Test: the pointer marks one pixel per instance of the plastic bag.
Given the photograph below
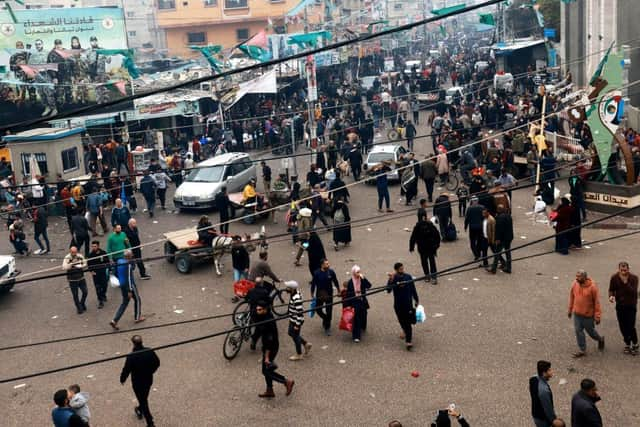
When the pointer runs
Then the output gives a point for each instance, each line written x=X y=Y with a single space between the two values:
x=312 y=308
x=346 y=321
x=113 y=281
x=420 y=315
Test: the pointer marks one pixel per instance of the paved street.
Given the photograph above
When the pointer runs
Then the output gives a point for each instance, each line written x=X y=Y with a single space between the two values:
x=478 y=347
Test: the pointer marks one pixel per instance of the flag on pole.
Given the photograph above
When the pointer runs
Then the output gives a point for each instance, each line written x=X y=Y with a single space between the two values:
x=447 y=10
x=443 y=31
x=487 y=18
x=259 y=40
x=269 y=24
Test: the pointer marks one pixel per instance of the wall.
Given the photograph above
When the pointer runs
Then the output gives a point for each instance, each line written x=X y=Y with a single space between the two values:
x=223 y=34
x=53 y=150
x=629 y=33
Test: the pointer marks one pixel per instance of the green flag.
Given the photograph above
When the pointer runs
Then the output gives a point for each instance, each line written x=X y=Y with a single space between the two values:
x=450 y=9
x=487 y=18
x=443 y=30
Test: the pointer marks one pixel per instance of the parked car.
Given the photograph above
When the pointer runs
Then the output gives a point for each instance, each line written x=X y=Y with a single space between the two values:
x=390 y=152
x=199 y=189
x=453 y=93
x=8 y=273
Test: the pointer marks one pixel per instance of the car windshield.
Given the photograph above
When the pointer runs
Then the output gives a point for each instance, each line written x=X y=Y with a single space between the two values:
x=206 y=174
x=379 y=157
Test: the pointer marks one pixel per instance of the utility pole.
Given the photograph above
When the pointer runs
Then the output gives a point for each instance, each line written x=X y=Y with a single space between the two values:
x=424 y=36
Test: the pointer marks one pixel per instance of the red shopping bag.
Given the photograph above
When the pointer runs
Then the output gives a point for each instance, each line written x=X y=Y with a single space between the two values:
x=346 y=321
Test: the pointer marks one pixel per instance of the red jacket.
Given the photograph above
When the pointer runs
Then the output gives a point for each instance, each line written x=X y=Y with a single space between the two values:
x=584 y=300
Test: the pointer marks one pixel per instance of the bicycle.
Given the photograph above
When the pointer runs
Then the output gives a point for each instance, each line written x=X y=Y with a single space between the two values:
x=278 y=305
x=241 y=333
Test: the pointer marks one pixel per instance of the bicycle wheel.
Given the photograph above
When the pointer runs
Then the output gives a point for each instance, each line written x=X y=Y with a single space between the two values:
x=232 y=344
x=452 y=182
x=241 y=312
x=278 y=305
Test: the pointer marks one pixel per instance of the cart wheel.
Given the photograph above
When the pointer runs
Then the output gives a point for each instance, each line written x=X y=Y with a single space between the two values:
x=184 y=262
x=232 y=344
x=169 y=252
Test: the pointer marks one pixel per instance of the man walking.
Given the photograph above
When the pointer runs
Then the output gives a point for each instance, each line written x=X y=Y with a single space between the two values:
x=429 y=171
x=296 y=319
x=148 y=189
x=322 y=290
x=488 y=236
x=268 y=331
x=623 y=291
x=74 y=264
x=584 y=412
x=223 y=204
x=584 y=305
x=442 y=210
x=404 y=294
x=427 y=237
x=133 y=235
x=473 y=220
x=80 y=231
x=117 y=243
x=141 y=364
x=62 y=415
x=98 y=266
x=266 y=177
x=502 y=241
x=541 y=397
x=128 y=288
x=40 y=224
x=162 y=181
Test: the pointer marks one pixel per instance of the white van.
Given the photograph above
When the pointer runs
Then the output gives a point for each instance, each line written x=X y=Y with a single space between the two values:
x=203 y=183
x=386 y=152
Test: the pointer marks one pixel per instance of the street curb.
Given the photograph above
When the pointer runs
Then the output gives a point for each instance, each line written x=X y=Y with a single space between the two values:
x=616 y=226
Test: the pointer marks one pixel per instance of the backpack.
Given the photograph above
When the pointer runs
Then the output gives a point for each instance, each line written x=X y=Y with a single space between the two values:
x=338 y=217
x=450 y=233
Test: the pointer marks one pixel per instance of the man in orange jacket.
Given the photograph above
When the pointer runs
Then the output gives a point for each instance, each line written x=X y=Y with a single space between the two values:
x=584 y=305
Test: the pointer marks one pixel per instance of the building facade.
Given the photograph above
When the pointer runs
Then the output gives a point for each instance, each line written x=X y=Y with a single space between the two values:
x=217 y=22
x=589 y=27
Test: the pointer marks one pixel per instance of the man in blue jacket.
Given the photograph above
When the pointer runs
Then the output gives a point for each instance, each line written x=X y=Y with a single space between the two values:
x=128 y=288
x=584 y=412
x=542 y=410
x=404 y=294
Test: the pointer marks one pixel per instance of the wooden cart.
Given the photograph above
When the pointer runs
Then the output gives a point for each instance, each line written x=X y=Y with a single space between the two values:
x=183 y=248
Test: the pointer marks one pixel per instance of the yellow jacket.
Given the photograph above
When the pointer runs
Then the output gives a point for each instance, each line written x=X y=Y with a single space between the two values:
x=248 y=192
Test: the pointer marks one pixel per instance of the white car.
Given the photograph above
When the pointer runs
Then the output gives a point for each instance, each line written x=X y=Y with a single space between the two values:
x=390 y=152
x=8 y=273
x=202 y=184
x=453 y=92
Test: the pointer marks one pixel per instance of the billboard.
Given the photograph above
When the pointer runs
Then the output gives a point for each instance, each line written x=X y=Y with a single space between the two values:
x=58 y=59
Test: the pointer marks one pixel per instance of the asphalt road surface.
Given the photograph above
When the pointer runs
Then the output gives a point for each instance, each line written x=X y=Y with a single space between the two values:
x=477 y=349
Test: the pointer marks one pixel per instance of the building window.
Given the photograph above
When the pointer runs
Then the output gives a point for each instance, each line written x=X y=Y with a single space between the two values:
x=166 y=4
x=70 y=160
x=236 y=4
x=41 y=158
x=196 y=38
x=210 y=3
x=398 y=6
x=131 y=33
x=242 y=33
x=130 y=14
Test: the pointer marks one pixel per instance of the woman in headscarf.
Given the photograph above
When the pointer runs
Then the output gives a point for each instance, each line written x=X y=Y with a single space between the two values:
x=206 y=233
x=342 y=223
x=356 y=297
x=315 y=252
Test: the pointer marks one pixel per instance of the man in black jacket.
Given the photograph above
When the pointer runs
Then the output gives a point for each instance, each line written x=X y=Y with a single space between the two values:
x=133 y=234
x=442 y=210
x=223 y=204
x=98 y=266
x=404 y=294
x=473 y=221
x=427 y=237
x=268 y=331
x=503 y=239
x=142 y=363
x=584 y=412
x=80 y=231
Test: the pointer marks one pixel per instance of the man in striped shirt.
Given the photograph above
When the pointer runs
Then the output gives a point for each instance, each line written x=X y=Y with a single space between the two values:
x=296 y=319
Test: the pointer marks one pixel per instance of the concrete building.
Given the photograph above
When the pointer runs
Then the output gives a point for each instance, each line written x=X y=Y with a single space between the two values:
x=588 y=28
x=140 y=18
x=217 y=22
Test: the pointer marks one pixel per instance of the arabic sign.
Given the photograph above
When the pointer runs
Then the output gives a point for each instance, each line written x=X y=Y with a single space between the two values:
x=166 y=109
x=106 y=24
x=54 y=60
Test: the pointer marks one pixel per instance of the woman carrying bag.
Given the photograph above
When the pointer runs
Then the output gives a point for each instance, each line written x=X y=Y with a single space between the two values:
x=356 y=297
